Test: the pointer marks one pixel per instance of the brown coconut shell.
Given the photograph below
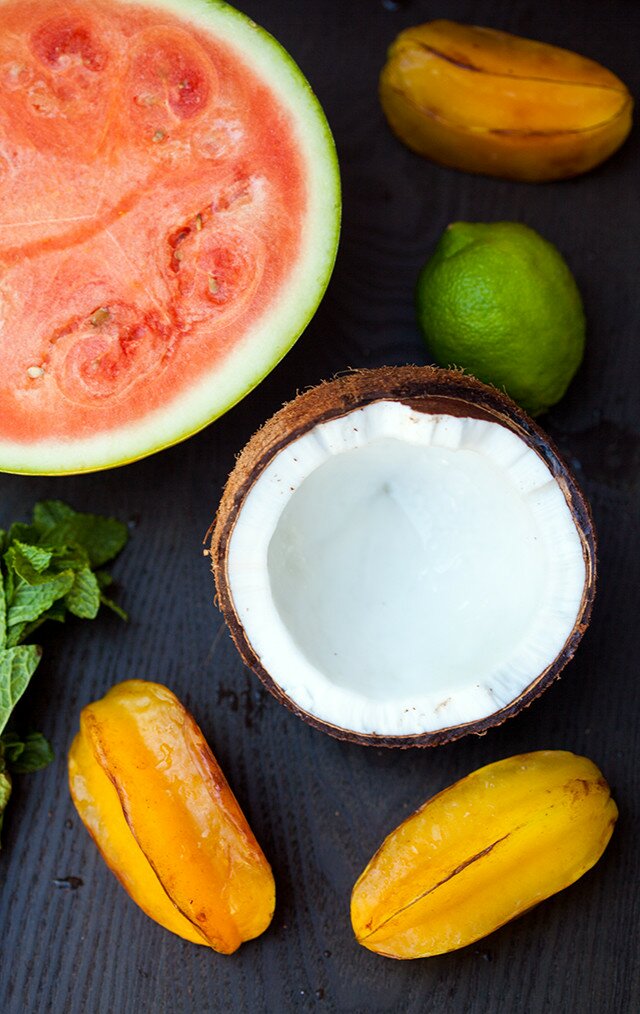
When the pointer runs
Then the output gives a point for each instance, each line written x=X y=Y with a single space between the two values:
x=424 y=389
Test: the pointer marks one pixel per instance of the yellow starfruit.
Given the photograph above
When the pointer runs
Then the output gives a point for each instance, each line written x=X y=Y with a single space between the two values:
x=159 y=808
x=489 y=102
x=482 y=852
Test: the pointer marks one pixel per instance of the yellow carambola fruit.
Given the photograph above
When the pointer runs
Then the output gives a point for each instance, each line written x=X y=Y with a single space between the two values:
x=485 y=101
x=159 y=808
x=482 y=852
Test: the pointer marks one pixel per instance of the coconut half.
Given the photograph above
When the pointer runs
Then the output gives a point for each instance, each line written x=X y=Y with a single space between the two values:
x=402 y=557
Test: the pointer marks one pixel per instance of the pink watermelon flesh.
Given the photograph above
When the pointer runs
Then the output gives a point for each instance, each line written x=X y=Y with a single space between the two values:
x=150 y=206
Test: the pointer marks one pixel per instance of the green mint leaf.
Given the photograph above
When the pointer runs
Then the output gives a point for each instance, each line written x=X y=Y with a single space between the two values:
x=11 y=746
x=29 y=563
x=30 y=601
x=24 y=755
x=69 y=558
x=14 y=634
x=19 y=569
x=38 y=557
x=46 y=572
x=22 y=631
x=83 y=598
x=101 y=538
x=3 y=615
x=49 y=513
x=5 y=792
x=17 y=666
x=20 y=532
x=58 y=612
x=9 y=586
x=113 y=606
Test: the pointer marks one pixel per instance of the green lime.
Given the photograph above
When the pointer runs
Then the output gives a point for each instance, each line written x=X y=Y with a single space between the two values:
x=499 y=301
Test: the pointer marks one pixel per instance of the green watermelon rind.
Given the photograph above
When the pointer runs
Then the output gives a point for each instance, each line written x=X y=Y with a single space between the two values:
x=259 y=351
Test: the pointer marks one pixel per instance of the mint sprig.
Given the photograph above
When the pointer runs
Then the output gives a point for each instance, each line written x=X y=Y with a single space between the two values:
x=24 y=755
x=49 y=568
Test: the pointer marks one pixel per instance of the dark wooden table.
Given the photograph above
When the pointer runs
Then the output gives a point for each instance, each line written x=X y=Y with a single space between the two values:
x=320 y=807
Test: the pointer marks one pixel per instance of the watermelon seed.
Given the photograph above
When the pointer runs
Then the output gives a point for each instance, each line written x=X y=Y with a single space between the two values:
x=41 y=100
x=213 y=285
x=15 y=71
x=198 y=222
x=159 y=136
x=99 y=316
x=34 y=372
x=145 y=100
x=174 y=242
x=178 y=236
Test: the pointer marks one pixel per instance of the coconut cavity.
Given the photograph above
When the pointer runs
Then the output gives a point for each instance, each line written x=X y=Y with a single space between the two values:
x=398 y=572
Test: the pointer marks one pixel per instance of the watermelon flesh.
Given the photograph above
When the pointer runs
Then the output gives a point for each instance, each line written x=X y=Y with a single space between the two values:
x=168 y=222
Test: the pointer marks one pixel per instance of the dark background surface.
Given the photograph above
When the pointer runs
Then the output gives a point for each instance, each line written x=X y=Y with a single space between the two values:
x=320 y=807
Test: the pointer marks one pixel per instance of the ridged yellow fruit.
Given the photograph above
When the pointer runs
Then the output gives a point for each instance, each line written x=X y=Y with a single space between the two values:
x=488 y=102
x=154 y=799
x=482 y=852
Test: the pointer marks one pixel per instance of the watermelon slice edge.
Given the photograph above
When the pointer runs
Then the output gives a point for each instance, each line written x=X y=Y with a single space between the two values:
x=134 y=325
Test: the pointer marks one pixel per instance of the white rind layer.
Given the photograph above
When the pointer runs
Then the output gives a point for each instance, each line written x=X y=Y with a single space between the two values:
x=432 y=704
x=271 y=337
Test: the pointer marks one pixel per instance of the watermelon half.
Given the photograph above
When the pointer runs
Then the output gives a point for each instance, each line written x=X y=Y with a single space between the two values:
x=169 y=217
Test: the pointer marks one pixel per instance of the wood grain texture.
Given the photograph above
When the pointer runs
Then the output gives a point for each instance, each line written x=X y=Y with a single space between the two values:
x=320 y=807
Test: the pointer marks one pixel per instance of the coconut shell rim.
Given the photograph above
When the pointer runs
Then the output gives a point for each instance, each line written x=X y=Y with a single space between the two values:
x=426 y=389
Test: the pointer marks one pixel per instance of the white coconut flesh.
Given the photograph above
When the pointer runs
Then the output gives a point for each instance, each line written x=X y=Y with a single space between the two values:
x=398 y=573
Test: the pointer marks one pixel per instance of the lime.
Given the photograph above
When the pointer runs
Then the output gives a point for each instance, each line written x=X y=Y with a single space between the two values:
x=499 y=301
